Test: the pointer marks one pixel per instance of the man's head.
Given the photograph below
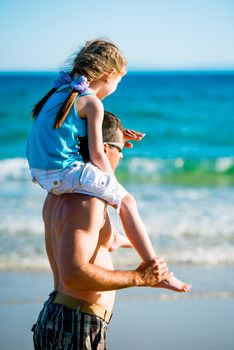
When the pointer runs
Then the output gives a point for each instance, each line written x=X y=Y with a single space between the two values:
x=112 y=134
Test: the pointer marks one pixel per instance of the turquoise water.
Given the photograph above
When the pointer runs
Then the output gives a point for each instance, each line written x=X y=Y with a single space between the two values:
x=182 y=172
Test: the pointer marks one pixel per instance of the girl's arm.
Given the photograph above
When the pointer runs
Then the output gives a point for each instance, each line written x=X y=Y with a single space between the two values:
x=95 y=114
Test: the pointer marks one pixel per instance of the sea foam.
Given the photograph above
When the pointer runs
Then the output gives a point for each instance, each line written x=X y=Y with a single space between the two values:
x=14 y=169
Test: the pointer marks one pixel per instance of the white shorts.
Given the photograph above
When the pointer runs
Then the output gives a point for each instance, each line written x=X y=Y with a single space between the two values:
x=83 y=178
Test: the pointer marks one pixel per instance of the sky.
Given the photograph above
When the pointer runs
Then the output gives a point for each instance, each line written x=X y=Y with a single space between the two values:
x=153 y=34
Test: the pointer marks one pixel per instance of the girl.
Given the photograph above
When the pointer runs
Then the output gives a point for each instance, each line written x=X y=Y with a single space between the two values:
x=72 y=109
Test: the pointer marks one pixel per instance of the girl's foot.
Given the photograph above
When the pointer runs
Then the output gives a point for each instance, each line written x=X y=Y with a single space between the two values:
x=174 y=284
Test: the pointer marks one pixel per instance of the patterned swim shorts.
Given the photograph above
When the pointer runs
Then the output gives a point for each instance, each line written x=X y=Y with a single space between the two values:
x=59 y=327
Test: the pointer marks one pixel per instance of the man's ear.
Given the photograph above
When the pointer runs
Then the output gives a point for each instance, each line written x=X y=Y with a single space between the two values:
x=105 y=147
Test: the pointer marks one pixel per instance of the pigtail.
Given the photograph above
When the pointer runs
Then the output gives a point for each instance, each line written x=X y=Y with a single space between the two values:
x=38 y=107
x=65 y=109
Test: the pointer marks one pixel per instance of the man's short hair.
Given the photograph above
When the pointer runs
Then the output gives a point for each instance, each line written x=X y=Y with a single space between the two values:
x=110 y=125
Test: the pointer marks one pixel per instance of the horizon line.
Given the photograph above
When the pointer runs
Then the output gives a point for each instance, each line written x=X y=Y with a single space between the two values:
x=132 y=70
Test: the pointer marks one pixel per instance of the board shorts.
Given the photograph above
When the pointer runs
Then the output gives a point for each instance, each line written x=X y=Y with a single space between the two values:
x=83 y=178
x=62 y=327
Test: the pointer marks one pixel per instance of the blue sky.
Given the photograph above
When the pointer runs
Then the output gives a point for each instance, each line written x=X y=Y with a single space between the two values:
x=166 y=34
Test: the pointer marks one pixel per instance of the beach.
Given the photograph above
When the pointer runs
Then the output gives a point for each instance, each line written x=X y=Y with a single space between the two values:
x=143 y=318
x=182 y=176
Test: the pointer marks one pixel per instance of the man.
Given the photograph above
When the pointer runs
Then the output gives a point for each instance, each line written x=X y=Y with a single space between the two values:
x=78 y=237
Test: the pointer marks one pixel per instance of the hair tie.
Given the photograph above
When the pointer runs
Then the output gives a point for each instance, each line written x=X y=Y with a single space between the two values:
x=64 y=78
x=80 y=84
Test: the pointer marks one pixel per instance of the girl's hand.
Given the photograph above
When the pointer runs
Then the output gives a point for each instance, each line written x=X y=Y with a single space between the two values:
x=134 y=135
x=119 y=241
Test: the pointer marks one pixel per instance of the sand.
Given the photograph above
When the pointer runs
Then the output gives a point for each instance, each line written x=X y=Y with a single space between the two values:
x=143 y=319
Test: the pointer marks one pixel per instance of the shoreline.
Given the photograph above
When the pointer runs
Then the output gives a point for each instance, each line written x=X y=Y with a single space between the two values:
x=144 y=318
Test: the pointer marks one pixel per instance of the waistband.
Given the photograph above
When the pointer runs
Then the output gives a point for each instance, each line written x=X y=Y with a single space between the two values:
x=83 y=306
x=77 y=163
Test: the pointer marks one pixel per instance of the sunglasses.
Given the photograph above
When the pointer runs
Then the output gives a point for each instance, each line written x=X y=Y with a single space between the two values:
x=118 y=145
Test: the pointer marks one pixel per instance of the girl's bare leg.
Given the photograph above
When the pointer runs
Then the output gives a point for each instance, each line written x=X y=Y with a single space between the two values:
x=136 y=232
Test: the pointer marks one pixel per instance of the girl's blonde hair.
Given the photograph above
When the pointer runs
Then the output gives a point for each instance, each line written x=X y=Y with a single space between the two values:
x=96 y=58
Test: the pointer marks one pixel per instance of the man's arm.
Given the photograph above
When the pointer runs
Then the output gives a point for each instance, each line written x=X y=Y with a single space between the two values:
x=77 y=247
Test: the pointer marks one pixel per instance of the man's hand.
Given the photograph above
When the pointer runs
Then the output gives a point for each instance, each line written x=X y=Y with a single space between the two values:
x=133 y=135
x=153 y=272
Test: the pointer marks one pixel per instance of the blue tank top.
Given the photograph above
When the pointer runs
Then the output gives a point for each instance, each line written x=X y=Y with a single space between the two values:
x=50 y=148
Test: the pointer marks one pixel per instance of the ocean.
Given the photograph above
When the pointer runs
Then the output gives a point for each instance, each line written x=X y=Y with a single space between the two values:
x=181 y=173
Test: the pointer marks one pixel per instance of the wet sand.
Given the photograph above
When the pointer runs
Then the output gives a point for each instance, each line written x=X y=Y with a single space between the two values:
x=144 y=318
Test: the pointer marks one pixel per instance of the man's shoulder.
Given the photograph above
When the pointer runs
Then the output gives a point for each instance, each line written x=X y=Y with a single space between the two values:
x=77 y=206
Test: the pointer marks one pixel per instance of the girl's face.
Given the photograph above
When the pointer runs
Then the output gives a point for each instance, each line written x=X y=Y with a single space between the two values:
x=110 y=83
